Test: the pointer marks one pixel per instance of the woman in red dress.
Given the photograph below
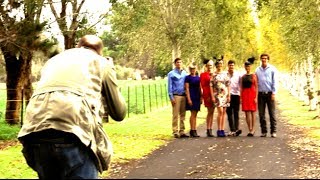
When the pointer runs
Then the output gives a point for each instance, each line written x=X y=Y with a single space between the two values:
x=206 y=96
x=249 y=94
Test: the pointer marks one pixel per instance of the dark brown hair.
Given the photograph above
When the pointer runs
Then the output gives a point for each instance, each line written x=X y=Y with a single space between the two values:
x=265 y=54
x=231 y=62
x=176 y=59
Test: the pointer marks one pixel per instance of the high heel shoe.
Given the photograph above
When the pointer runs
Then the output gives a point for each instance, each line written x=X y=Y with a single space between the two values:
x=209 y=133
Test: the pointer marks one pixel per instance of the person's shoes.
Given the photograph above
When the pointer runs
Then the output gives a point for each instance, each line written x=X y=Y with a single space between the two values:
x=273 y=135
x=183 y=136
x=175 y=135
x=238 y=132
x=193 y=133
x=209 y=133
x=250 y=134
x=232 y=133
x=263 y=135
x=223 y=133
x=218 y=133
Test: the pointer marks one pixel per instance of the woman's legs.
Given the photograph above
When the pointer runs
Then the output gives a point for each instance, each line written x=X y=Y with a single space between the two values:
x=193 y=120
x=253 y=120
x=209 y=118
x=210 y=121
x=248 y=120
x=219 y=117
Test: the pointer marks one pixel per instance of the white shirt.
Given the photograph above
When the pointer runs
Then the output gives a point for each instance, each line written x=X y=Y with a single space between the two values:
x=235 y=83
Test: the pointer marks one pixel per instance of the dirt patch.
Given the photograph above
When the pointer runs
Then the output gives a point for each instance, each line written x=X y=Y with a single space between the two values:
x=8 y=143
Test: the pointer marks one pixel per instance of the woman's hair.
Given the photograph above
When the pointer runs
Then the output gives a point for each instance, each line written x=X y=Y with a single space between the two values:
x=250 y=61
x=192 y=66
x=218 y=61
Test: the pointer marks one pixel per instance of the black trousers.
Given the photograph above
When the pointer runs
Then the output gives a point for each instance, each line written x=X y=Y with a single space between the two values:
x=264 y=99
x=233 y=113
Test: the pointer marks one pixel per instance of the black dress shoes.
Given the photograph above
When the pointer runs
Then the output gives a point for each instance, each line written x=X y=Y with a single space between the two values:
x=183 y=136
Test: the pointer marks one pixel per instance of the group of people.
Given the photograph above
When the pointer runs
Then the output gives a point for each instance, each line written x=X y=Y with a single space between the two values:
x=225 y=91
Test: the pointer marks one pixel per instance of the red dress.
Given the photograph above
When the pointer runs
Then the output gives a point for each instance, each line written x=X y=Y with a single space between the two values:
x=205 y=85
x=249 y=92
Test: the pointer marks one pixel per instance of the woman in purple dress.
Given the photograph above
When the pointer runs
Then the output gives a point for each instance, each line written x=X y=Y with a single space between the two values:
x=193 y=93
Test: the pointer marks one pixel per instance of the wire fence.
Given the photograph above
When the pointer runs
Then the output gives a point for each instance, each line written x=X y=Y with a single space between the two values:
x=141 y=98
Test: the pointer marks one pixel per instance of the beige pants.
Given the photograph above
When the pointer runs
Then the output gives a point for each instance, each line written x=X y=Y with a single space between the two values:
x=179 y=114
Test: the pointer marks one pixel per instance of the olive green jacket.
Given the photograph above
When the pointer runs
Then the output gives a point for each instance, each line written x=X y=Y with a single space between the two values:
x=74 y=86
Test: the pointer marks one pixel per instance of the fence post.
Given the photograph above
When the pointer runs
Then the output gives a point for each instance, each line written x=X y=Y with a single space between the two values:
x=144 y=102
x=149 y=97
x=22 y=107
x=155 y=88
x=136 y=92
x=165 y=85
x=128 y=101
x=161 y=95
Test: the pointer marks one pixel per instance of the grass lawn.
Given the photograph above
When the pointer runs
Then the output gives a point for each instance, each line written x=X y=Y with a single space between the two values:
x=139 y=135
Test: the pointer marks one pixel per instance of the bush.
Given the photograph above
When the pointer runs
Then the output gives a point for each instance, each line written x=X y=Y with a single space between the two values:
x=123 y=73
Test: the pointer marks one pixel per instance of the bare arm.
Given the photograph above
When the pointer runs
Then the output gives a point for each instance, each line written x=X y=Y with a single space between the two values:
x=186 y=85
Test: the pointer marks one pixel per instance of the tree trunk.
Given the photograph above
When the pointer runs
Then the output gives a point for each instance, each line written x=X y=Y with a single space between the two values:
x=14 y=87
x=175 y=51
x=311 y=85
x=69 y=40
x=27 y=77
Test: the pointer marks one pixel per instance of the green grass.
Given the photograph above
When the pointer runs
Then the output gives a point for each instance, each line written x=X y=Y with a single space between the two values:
x=13 y=165
x=144 y=96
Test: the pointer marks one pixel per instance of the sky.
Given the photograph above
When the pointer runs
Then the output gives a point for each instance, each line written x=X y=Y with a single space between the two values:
x=94 y=7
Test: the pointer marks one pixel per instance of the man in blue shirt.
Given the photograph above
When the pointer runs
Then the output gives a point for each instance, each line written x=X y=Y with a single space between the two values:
x=177 y=97
x=267 y=74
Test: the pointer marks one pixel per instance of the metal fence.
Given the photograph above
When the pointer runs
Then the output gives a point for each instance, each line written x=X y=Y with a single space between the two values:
x=140 y=98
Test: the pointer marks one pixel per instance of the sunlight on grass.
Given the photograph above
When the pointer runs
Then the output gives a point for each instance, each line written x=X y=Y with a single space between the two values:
x=299 y=115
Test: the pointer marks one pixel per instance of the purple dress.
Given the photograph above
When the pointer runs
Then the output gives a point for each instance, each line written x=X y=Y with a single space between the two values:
x=195 y=94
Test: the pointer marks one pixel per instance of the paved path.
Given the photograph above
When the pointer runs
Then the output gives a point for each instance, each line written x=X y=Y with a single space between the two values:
x=229 y=157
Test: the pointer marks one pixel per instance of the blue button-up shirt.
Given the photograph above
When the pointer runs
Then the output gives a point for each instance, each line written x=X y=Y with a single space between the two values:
x=176 y=82
x=267 y=79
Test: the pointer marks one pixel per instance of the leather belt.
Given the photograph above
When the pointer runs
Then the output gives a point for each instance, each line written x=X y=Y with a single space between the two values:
x=180 y=94
x=265 y=92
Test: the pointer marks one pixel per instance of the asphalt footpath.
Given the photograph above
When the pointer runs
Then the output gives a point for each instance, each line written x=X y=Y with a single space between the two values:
x=223 y=157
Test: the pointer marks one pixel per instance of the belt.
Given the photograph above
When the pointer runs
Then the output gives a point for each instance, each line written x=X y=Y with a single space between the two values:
x=265 y=92
x=51 y=137
x=180 y=94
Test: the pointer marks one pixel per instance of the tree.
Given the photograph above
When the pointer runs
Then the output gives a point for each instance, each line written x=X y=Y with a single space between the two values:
x=20 y=37
x=165 y=28
x=298 y=23
x=78 y=20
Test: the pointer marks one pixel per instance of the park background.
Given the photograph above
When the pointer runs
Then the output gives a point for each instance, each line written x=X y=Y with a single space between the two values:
x=143 y=37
